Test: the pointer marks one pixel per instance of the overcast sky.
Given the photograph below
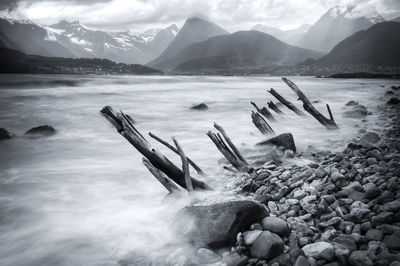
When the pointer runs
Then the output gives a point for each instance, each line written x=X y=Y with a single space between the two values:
x=139 y=15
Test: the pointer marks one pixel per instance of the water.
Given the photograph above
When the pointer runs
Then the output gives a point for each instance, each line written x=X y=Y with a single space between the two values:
x=83 y=197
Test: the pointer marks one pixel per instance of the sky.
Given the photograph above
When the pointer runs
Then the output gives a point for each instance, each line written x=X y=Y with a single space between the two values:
x=233 y=15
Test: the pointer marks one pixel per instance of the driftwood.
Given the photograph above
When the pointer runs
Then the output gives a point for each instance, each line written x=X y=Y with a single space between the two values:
x=185 y=166
x=264 y=111
x=285 y=102
x=228 y=149
x=307 y=105
x=193 y=164
x=274 y=107
x=158 y=160
x=161 y=177
x=261 y=124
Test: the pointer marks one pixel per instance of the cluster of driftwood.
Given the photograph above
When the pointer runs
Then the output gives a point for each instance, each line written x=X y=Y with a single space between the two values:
x=260 y=113
x=174 y=178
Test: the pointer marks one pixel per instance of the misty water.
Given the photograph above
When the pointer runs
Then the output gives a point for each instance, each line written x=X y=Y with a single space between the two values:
x=83 y=196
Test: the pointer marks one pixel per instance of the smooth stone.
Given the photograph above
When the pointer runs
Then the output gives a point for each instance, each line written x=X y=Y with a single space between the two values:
x=371 y=137
x=374 y=235
x=250 y=236
x=360 y=258
x=267 y=245
x=319 y=250
x=276 y=225
x=207 y=256
x=301 y=261
x=392 y=241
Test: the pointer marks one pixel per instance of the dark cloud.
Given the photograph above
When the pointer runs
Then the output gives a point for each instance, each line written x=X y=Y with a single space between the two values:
x=12 y=4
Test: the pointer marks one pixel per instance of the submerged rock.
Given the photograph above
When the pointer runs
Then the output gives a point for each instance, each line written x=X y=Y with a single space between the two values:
x=371 y=137
x=42 y=130
x=283 y=140
x=393 y=101
x=5 y=134
x=352 y=103
x=199 y=107
x=217 y=225
x=358 y=111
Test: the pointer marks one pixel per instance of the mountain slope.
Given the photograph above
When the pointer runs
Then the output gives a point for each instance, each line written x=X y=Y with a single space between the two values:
x=333 y=27
x=377 y=46
x=194 y=30
x=238 y=50
x=72 y=39
x=13 y=61
x=288 y=36
x=118 y=46
x=31 y=38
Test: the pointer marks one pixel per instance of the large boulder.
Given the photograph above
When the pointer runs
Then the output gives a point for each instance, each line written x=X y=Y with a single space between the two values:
x=217 y=225
x=283 y=140
x=41 y=130
x=267 y=246
x=5 y=134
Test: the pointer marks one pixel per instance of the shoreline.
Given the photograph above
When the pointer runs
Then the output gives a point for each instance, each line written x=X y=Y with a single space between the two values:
x=342 y=210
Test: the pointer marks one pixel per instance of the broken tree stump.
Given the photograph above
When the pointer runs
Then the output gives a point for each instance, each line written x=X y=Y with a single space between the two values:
x=285 y=102
x=307 y=105
x=261 y=124
x=228 y=149
x=274 y=107
x=158 y=160
x=161 y=177
x=264 y=111
x=193 y=164
x=185 y=166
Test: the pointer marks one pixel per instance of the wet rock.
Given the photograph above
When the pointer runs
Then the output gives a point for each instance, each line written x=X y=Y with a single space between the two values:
x=206 y=256
x=199 y=107
x=351 y=103
x=360 y=258
x=372 y=192
x=276 y=225
x=283 y=140
x=358 y=111
x=393 y=101
x=267 y=245
x=346 y=241
x=217 y=225
x=301 y=261
x=41 y=130
x=320 y=172
x=393 y=206
x=371 y=137
x=392 y=242
x=5 y=134
x=382 y=218
x=374 y=235
x=250 y=236
x=320 y=250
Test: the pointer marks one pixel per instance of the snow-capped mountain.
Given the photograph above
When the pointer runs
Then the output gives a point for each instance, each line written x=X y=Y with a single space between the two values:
x=336 y=25
x=288 y=36
x=73 y=39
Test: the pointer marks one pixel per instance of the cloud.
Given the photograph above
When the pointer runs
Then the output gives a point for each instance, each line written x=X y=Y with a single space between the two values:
x=231 y=14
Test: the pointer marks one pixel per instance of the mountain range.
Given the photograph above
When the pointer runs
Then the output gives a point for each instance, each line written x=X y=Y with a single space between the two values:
x=289 y=36
x=200 y=46
x=333 y=27
x=194 y=30
x=73 y=39
x=239 y=50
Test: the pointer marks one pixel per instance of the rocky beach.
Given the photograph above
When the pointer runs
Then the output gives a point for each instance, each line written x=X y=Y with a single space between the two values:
x=340 y=209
